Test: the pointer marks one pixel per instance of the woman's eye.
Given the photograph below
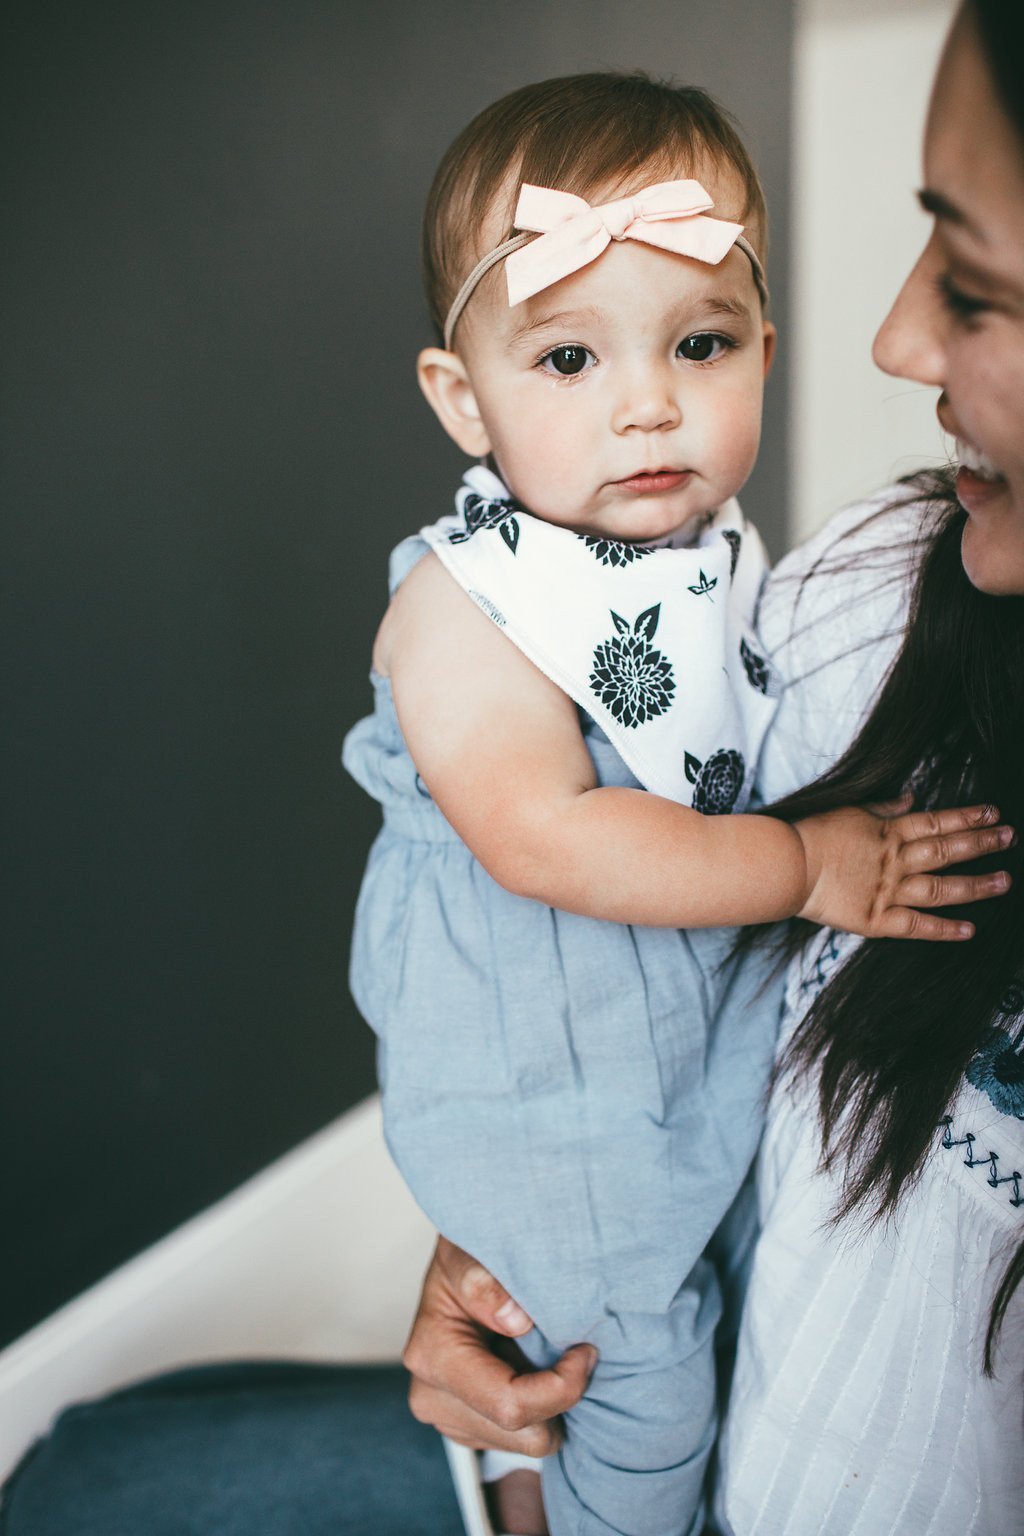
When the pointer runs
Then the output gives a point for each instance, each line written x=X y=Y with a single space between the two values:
x=961 y=305
x=567 y=360
x=703 y=347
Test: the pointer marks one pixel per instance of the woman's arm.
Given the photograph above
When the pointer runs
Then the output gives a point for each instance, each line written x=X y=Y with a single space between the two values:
x=499 y=747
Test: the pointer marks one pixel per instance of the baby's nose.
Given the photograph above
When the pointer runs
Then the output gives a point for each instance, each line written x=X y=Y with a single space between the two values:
x=647 y=402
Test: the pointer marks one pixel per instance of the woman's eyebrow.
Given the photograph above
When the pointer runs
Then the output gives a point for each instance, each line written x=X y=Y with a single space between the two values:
x=941 y=207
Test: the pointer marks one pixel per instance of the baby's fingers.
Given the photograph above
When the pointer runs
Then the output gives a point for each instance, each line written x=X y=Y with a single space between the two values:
x=916 y=824
x=939 y=849
x=951 y=890
x=906 y=923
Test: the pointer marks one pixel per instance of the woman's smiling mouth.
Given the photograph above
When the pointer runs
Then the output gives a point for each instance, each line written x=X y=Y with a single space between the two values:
x=978 y=481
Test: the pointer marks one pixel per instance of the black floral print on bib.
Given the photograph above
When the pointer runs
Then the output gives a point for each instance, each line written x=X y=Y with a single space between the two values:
x=613 y=551
x=703 y=587
x=481 y=512
x=630 y=677
x=756 y=668
x=717 y=782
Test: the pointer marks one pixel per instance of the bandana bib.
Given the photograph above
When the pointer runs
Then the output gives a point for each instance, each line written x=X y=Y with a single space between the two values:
x=654 y=641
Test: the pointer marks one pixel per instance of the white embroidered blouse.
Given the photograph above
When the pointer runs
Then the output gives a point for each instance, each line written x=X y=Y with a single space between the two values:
x=859 y=1405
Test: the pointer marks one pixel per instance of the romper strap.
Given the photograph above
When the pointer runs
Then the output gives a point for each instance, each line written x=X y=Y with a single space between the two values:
x=402 y=559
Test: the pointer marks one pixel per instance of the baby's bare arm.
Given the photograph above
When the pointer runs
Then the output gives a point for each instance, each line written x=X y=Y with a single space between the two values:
x=499 y=747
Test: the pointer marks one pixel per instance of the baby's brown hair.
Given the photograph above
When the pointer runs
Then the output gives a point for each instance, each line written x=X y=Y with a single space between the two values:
x=579 y=133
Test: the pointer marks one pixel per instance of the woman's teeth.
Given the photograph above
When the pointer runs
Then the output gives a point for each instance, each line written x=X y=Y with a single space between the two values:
x=971 y=458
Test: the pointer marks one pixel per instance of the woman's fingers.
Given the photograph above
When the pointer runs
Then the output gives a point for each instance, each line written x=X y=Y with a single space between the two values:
x=460 y=1423
x=458 y=1361
x=479 y=1400
x=938 y=850
x=465 y=1389
x=513 y=1401
x=477 y=1292
x=951 y=890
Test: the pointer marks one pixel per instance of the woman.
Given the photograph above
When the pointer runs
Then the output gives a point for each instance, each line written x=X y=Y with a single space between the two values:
x=880 y=1363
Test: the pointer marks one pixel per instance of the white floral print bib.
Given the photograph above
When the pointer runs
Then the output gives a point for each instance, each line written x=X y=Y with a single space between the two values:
x=654 y=641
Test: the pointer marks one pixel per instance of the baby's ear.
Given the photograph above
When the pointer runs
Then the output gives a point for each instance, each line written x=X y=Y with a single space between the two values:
x=446 y=384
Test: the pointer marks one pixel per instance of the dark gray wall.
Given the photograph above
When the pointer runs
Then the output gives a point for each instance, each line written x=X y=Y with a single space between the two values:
x=211 y=436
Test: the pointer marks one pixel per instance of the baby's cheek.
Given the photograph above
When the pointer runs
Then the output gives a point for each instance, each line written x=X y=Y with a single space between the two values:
x=736 y=449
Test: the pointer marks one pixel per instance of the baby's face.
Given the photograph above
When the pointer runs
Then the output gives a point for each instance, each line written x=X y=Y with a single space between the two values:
x=625 y=399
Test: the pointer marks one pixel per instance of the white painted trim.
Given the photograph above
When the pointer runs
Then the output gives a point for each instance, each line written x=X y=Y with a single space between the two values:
x=317 y=1257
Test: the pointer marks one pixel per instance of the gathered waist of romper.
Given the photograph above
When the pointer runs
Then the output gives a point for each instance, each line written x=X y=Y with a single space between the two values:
x=419 y=823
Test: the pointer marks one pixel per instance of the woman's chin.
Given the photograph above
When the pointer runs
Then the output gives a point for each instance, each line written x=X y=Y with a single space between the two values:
x=994 y=564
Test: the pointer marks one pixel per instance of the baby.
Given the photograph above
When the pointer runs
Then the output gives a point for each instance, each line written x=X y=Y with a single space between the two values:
x=570 y=698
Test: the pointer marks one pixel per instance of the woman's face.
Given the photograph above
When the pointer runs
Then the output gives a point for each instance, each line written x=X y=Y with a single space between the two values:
x=958 y=321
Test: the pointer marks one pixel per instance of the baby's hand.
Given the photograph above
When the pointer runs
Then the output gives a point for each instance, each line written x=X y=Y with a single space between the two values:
x=870 y=874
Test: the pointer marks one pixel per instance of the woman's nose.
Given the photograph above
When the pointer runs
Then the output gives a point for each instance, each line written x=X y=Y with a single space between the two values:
x=647 y=399
x=911 y=343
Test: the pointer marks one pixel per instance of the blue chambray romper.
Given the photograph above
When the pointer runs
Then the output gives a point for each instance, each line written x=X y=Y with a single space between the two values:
x=577 y=1104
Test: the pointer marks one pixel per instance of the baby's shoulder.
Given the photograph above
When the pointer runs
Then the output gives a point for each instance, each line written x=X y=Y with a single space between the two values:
x=426 y=605
x=414 y=588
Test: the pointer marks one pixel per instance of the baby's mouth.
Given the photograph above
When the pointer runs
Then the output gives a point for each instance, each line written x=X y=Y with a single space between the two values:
x=654 y=481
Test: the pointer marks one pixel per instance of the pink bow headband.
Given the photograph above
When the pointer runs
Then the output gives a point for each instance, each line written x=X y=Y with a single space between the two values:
x=672 y=215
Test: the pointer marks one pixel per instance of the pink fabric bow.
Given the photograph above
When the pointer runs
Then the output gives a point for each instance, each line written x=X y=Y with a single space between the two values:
x=670 y=215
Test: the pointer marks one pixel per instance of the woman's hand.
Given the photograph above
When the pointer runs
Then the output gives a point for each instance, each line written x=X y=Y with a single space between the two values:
x=870 y=873
x=462 y=1385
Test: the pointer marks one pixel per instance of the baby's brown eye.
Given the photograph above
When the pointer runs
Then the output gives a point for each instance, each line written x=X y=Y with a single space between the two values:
x=568 y=360
x=698 y=349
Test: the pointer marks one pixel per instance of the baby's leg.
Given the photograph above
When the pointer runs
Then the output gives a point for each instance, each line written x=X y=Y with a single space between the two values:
x=513 y=1493
x=637 y=1446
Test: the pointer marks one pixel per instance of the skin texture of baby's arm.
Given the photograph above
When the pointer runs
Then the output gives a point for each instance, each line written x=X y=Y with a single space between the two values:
x=499 y=747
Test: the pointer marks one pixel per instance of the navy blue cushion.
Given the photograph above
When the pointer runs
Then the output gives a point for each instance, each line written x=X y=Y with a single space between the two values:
x=239 y=1450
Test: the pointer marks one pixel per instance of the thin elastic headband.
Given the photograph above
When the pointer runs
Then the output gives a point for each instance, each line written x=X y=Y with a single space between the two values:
x=562 y=233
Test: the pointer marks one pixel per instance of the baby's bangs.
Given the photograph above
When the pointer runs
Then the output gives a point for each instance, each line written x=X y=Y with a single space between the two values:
x=587 y=134
x=591 y=133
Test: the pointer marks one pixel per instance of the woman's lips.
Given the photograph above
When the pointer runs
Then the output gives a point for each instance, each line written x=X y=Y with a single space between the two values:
x=978 y=481
x=975 y=492
x=654 y=481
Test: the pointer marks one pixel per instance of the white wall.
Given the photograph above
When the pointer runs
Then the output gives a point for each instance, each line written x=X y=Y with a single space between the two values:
x=862 y=77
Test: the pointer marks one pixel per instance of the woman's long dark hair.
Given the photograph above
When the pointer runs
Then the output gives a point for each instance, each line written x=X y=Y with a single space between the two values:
x=1000 y=26
x=890 y=1036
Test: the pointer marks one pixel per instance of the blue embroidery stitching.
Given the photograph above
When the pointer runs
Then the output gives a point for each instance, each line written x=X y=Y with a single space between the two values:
x=989 y=1161
x=826 y=958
